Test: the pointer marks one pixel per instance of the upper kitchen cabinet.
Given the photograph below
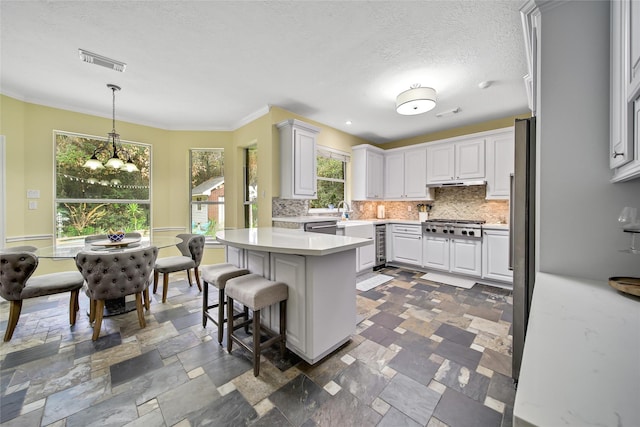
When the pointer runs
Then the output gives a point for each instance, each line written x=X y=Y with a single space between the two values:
x=456 y=161
x=624 y=146
x=405 y=174
x=298 y=160
x=367 y=173
x=500 y=164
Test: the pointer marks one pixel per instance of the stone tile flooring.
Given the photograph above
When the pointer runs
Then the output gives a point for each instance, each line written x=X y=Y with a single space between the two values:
x=424 y=355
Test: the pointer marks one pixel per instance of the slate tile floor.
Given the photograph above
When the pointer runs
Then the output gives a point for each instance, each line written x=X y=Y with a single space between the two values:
x=424 y=355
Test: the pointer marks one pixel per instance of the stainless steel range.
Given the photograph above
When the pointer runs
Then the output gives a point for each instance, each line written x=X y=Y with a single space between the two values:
x=470 y=229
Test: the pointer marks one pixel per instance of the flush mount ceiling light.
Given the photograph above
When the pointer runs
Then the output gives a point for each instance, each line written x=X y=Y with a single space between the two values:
x=103 y=61
x=416 y=100
x=118 y=153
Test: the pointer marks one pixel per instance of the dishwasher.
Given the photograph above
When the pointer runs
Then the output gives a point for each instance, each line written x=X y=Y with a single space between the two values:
x=326 y=227
x=381 y=246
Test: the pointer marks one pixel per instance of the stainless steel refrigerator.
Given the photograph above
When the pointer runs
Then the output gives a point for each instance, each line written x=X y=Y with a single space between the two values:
x=522 y=233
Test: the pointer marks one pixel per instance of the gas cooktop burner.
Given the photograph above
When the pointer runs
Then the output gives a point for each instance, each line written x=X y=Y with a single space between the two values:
x=458 y=221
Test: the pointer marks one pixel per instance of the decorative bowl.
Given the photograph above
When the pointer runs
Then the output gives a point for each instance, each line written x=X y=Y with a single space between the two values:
x=116 y=237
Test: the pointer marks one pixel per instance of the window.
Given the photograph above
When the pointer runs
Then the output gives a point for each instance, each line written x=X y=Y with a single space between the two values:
x=207 y=192
x=251 y=187
x=331 y=173
x=95 y=201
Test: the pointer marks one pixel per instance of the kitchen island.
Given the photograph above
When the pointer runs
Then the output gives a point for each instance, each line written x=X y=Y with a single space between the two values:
x=319 y=270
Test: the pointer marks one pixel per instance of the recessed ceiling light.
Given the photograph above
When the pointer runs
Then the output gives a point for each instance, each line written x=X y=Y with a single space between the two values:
x=485 y=84
x=103 y=61
x=348 y=122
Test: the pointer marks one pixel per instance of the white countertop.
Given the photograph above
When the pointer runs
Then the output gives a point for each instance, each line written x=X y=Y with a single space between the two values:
x=305 y=219
x=288 y=241
x=581 y=362
x=495 y=226
x=340 y=222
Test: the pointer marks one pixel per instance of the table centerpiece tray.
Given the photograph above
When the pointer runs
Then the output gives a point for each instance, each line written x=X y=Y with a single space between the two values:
x=106 y=243
x=628 y=285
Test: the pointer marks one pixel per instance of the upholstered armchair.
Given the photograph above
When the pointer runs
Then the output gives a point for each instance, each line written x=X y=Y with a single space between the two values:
x=192 y=248
x=16 y=285
x=112 y=275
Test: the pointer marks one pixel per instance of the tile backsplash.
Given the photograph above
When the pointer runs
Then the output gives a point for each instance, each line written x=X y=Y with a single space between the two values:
x=450 y=203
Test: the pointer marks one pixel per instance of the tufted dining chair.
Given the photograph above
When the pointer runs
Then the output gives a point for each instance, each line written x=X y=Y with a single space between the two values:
x=114 y=275
x=16 y=285
x=192 y=248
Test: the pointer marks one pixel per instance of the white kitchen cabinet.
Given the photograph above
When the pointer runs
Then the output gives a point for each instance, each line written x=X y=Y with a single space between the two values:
x=500 y=164
x=258 y=262
x=290 y=269
x=455 y=255
x=495 y=255
x=436 y=253
x=456 y=161
x=365 y=255
x=406 y=244
x=298 y=163
x=367 y=172
x=465 y=256
x=235 y=256
x=406 y=174
x=624 y=145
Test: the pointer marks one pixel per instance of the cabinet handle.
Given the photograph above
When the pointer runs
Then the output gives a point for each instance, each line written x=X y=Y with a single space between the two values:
x=616 y=154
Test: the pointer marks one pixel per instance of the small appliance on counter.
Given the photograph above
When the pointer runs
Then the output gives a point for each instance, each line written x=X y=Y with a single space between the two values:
x=423 y=211
x=380 y=213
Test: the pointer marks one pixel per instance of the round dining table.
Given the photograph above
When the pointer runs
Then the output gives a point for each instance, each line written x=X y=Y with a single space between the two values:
x=69 y=250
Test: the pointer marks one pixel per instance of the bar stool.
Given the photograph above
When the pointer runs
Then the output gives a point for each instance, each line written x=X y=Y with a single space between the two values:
x=218 y=275
x=256 y=292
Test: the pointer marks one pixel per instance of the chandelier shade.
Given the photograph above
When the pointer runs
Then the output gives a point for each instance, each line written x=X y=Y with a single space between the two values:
x=416 y=100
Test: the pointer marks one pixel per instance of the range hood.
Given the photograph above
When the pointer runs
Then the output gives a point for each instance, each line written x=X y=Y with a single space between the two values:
x=457 y=183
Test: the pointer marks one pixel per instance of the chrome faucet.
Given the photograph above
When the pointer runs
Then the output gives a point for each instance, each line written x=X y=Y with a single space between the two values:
x=344 y=204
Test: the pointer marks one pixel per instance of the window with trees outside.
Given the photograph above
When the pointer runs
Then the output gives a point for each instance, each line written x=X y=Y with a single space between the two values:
x=97 y=201
x=331 y=175
x=251 y=187
x=207 y=192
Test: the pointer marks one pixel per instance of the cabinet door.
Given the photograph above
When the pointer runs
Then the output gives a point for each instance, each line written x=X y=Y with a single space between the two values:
x=495 y=256
x=366 y=257
x=620 y=148
x=304 y=149
x=469 y=159
x=466 y=257
x=290 y=269
x=258 y=262
x=394 y=175
x=407 y=248
x=633 y=40
x=500 y=162
x=375 y=176
x=436 y=253
x=440 y=163
x=415 y=173
x=235 y=256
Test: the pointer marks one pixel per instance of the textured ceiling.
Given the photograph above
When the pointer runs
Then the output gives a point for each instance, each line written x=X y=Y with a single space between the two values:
x=210 y=65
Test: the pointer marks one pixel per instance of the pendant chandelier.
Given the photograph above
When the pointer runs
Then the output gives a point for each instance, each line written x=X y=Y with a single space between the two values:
x=120 y=158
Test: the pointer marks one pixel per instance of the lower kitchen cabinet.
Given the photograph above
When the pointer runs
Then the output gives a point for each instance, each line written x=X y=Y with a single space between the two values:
x=495 y=248
x=465 y=256
x=436 y=253
x=406 y=244
x=453 y=255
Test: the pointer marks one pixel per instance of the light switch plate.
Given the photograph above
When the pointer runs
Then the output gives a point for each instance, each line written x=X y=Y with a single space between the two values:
x=33 y=194
x=33 y=204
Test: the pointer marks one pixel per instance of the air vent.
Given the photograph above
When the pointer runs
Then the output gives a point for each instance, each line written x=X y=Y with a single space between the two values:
x=103 y=61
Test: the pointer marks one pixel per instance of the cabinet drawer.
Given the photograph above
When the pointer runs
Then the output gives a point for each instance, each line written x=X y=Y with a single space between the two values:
x=406 y=228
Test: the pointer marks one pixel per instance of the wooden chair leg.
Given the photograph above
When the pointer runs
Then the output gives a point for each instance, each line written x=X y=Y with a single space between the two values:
x=283 y=326
x=145 y=294
x=221 y=315
x=165 y=286
x=140 y=310
x=155 y=280
x=14 y=314
x=205 y=304
x=189 y=276
x=197 y=274
x=99 y=311
x=92 y=310
x=229 y=324
x=73 y=307
x=256 y=343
